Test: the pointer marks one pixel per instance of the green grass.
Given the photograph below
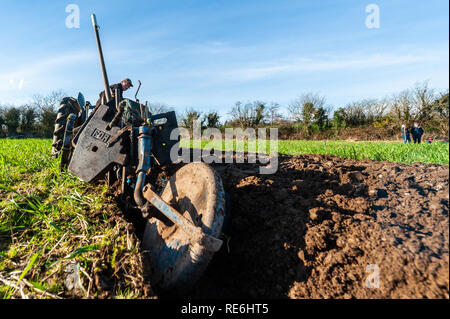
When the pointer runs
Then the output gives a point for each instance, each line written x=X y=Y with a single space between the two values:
x=49 y=220
x=437 y=152
x=379 y=151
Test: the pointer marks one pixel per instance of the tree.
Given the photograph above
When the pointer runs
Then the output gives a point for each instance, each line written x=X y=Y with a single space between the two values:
x=320 y=117
x=422 y=100
x=401 y=107
x=190 y=116
x=157 y=108
x=47 y=107
x=248 y=115
x=212 y=119
x=295 y=110
x=28 y=117
x=2 y=111
x=258 y=113
x=339 y=117
x=47 y=122
x=376 y=109
x=354 y=114
x=240 y=115
x=11 y=118
x=441 y=112
x=308 y=111
x=50 y=101
x=304 y=107
x=272 y=112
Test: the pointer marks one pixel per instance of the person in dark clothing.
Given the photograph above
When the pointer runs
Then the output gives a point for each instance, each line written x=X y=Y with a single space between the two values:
x=405 y=134
x=417 y=132
x=124 y=85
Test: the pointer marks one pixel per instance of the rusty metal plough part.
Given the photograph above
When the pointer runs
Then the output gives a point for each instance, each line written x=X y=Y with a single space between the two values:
x=195 y=233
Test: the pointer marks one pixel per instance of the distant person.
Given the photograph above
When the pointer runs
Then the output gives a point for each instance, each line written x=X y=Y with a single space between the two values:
x=417 y=132
x=430 y=139
x=406 y=134
x=124 y=85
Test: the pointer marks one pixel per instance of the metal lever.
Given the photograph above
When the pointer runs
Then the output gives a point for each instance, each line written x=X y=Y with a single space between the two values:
x=195 y=233
x=137 y=91
x=102 y=61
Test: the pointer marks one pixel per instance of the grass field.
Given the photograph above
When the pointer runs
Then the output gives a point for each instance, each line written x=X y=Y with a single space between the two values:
x=51 y=220
x=437 y=152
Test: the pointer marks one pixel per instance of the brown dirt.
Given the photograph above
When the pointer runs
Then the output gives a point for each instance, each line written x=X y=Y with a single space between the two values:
x=311 y=230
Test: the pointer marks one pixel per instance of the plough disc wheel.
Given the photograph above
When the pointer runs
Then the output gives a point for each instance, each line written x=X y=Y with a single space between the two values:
x=176 y=262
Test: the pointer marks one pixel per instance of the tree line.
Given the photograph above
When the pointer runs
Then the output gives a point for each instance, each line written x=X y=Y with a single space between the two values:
x=36 y=118
x=309 y=112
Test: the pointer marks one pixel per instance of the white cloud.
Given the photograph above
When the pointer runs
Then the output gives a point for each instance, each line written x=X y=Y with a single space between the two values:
x=35 y=71
x=327 y=64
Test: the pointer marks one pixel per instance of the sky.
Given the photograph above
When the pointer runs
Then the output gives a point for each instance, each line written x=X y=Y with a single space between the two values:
x=210 y=54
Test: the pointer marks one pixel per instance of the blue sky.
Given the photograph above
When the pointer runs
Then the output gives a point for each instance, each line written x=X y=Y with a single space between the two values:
x=210 y=54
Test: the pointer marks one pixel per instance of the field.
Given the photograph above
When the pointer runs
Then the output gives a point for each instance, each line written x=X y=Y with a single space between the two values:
x=315 y=225
x=437 y=152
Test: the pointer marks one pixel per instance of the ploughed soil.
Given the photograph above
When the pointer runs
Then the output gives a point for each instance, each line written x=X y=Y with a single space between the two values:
x=327 y=227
